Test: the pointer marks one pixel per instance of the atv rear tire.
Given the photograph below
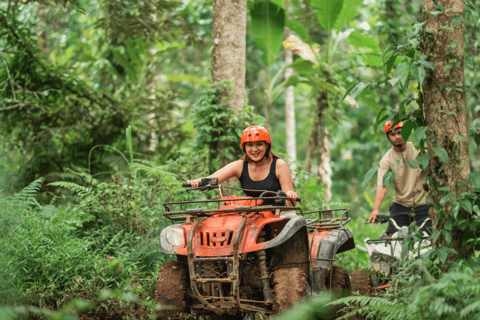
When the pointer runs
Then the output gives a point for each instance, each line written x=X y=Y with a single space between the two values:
x=338 y=281
x=171 y=288
x=361 y=282
x=289 y=287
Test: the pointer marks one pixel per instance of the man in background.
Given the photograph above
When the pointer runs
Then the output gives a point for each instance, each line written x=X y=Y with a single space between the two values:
x=408 y=183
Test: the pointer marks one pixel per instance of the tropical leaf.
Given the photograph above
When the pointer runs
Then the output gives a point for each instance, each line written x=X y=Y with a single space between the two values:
x=299 y=30
x=419 y=133
x=441 y=153
x=268 y=22
x=419 y=72
x=407 y=129
x=369 y=175
x=328 y=12
x=402 y=71
x=363 y=41
x=350 y=10
x=388 y=177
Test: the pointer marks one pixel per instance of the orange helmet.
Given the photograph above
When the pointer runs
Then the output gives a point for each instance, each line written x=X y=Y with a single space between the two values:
x=388 y=126
x=255 y=133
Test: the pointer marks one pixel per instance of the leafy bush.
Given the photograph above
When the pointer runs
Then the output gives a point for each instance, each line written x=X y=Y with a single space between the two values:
x=418 y=294
x=40 y=258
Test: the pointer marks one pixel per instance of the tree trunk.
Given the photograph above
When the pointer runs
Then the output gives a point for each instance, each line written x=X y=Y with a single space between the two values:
x=445 y=116
x=229 y=33
x=320 y=134
x=291 y=144
x=229 y=42
x=313 y=140
x=324 y=168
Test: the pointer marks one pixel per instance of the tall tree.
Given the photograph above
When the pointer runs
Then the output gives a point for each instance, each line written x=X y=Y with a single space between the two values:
x=229 y=41
x=291 y=144
x=445 y=117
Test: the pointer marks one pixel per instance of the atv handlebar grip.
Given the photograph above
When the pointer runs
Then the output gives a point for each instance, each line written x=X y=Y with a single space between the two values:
x=382 y=218
x=186 y=184
x=299 y=199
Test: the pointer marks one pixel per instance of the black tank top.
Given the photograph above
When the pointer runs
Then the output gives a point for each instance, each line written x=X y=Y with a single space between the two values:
x=270 y=183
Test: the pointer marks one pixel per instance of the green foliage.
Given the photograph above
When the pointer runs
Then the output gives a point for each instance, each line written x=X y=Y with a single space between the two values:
x=218 y=125
x=419 y=294
x=388 y=177
x=268 y=21
x=40 y=257
x=142 y=19
x=69 y=311
x=335 y=14
x=65 y=109
x=314 y=308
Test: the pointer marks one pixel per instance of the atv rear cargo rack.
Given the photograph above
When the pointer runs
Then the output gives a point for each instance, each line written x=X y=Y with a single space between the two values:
x=326 y=220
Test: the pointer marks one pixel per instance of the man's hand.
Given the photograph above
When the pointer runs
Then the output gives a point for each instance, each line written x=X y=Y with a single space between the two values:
x=373 y=215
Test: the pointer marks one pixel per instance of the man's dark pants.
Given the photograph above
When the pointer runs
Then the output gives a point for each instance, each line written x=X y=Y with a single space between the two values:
x=397 y=213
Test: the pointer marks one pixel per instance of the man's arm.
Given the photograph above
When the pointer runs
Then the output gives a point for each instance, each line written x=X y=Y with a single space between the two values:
x=379 y=196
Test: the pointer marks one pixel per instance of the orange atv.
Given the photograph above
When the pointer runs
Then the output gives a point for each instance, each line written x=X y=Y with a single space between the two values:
x=237 y=257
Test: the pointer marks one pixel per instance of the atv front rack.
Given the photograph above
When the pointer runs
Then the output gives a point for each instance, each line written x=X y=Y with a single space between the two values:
x=327 y=221
x=185 y=213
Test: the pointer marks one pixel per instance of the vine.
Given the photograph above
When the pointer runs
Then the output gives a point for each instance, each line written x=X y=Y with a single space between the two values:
x=219 y=126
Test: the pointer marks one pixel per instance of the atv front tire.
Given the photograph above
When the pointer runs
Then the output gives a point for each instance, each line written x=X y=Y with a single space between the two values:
x=171 y=289
x=289 y=287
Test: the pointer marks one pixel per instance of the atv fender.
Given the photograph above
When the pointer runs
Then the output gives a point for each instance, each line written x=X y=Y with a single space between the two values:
x=292 y=226
x=334 y=242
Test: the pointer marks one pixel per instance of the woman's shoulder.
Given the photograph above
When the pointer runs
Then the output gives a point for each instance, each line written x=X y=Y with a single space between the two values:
x=237 y=163
x=281 y=166
x=280 y=162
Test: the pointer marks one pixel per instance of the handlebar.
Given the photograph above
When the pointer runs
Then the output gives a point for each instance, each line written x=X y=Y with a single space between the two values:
x=381 y=218
x=210 y=183
x=206 y=182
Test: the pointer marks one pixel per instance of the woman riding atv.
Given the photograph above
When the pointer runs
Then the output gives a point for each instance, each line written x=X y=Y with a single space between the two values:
x=258 y=169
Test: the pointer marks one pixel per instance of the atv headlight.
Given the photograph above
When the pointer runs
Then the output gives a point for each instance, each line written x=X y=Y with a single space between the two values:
x=175 y=236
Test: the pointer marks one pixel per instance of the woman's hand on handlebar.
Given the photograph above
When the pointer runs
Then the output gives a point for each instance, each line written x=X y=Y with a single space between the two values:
x=373 y=215
x=195 y=183
x=292 y=195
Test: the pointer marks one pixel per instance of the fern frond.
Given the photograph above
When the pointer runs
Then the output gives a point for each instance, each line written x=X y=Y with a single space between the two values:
x=81 y=191
x=87 y=176
x=159 y=171
x=27 y=195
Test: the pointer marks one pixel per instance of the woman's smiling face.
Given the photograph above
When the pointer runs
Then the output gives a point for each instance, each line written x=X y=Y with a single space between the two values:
x=256 y=150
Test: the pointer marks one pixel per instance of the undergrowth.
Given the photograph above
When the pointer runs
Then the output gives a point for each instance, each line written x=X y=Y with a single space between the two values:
x=422 y=291
x=104 y=238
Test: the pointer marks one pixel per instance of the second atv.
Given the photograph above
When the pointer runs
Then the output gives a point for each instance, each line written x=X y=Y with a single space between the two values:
x=385 y=251
x=237 y=257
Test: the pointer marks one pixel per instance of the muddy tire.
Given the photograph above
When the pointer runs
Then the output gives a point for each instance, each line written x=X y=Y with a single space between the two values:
x=338 y=281
x=361 y=282
x=171 y=288
x=289 y=287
